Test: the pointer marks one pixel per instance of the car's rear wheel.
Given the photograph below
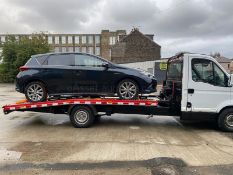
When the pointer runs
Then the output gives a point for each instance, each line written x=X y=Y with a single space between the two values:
x=127 y=89
x=35 y=92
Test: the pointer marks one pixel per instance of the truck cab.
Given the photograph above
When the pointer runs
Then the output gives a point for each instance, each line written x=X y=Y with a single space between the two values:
x=197 y=87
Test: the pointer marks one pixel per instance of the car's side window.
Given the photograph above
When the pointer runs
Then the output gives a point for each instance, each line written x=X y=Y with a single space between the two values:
x=61 y=60
x=87 y=60
x=41 y=59
x=208 y=72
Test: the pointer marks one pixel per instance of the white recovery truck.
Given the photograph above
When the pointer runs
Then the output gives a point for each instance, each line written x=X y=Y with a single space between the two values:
x=197 y=87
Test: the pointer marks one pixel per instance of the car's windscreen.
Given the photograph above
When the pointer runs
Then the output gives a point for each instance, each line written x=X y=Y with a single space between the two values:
x=61 y=60
x=87 y=60
x=174 y=70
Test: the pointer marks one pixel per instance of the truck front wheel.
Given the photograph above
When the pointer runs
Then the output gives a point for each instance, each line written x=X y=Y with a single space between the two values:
x=225 y=120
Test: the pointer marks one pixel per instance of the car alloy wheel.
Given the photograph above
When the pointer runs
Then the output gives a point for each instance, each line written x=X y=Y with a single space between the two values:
x=128 y=90
x=35 y=92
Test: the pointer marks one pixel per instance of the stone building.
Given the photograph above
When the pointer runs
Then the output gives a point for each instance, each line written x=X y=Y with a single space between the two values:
x=225 y=62
x=135 y=47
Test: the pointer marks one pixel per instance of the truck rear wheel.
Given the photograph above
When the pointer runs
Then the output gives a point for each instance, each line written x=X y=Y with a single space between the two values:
x=225 y=120
x=82 y=117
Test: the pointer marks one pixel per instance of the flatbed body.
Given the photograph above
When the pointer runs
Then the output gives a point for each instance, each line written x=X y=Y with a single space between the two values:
x=107 y=105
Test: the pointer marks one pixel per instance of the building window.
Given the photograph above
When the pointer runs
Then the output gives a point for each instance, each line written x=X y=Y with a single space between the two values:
x=17 y=38
x=70 y=40
x=70 y=49
x=112 y=40
x=90 y=50
x=76 y=38
x=97 y=50
x=77 y=49
x=90 y=39
x=56 y=39
x=63 y=49
x=110 y=53
x=97 y=39
x=56 y=49
x=84 y=49
x=50 y=40
x=63 y=39
x=84 y=39
x=3 y=39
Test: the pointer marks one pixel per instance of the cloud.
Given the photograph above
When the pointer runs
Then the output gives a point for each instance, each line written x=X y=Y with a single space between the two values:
x=195 y=25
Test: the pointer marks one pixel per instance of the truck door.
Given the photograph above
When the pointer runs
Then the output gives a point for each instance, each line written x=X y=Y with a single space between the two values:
x=207 y=85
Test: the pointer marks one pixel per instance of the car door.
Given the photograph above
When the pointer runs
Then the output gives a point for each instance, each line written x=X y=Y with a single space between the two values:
x=207 y=86
x=89 y=74
x=58 y=73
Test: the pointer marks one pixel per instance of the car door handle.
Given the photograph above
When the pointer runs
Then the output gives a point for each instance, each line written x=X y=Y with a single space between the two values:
x=190 y=91
x=77 y=72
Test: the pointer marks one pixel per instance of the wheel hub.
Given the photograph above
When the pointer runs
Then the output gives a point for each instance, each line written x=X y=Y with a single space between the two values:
x=128 y=90
x=229 y=120
x=35 y=92
x=81 y=116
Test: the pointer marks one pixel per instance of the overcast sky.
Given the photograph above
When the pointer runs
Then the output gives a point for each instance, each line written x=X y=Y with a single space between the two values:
x=178 y=25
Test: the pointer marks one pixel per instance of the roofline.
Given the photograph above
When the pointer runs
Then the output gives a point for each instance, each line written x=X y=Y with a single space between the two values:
x=29 y=34
x=61 y=53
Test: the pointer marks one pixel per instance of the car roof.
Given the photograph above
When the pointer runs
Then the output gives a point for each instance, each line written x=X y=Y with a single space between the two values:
x=59 y=53
x=63 y=53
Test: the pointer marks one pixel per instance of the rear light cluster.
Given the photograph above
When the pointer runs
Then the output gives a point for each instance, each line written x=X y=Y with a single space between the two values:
x=23 y=68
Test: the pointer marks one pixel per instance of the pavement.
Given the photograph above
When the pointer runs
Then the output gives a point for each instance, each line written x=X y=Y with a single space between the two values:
x=39 y=143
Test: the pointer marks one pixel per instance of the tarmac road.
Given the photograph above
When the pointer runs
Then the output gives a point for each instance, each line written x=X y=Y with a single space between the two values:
x=37 y=143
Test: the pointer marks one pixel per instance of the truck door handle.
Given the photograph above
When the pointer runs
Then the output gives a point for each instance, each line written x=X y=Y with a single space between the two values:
x=190 y=91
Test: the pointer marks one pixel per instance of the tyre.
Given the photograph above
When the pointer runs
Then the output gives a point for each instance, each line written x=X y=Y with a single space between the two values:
x=225 y=120
x=35 y=92
x=127 y=89
x=82 y=117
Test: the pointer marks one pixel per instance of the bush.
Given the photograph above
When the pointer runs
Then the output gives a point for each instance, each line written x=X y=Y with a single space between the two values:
x=16 y=53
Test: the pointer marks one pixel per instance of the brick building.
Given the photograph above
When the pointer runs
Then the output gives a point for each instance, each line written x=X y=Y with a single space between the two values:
x=100 y=44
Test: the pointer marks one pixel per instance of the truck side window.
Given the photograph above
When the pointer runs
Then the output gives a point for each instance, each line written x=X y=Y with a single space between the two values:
x=219 y=76
x=208 y=72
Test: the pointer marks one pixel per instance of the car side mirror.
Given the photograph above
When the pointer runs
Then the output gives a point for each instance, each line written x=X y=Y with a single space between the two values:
x=105 y=64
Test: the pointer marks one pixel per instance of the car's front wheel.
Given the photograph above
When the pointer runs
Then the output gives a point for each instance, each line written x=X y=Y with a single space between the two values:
x=127 y=89
x=35 y=92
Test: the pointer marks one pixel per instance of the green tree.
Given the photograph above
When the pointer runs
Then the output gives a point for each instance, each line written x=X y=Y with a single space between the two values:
x=17 y=52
